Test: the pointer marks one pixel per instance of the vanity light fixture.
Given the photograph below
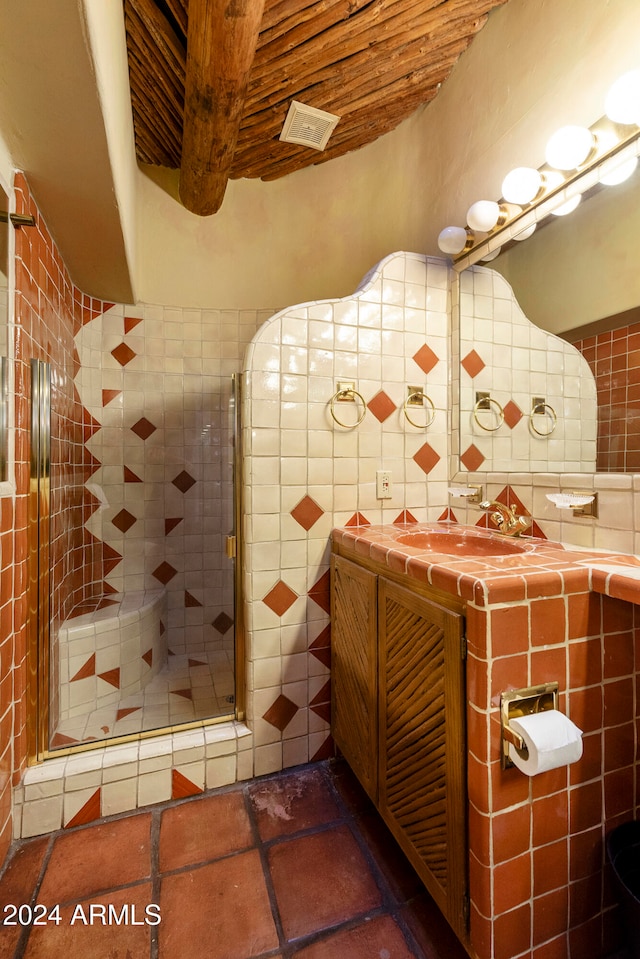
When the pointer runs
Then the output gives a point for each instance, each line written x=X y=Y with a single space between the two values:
x=577 y=159
x=569 y=148
x=622 y=104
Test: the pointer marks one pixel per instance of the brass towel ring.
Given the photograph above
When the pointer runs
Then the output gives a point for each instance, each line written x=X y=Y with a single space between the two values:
x=419 y=394
x=347 y=393
x=485 y=403
x=540 y=408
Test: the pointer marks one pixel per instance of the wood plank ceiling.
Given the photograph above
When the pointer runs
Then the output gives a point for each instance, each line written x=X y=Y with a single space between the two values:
x=212 y=80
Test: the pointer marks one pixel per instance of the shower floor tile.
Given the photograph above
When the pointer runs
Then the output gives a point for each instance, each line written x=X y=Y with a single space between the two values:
x=191 y=686
x=282 y=867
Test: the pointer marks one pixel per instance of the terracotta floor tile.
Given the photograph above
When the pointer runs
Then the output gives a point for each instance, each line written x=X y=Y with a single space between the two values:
x=376 y=937
x=218 y=911
x=292 y=803
x=17 y=885
x=403 y=881
x=99 y=857
x=204 y=829
x=321 y=880
x=73 y=939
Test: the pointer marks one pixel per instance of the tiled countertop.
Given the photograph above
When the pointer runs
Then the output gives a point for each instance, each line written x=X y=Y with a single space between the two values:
x=542 y=568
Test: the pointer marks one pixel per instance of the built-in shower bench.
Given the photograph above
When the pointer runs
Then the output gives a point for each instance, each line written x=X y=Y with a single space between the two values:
x=111 y=650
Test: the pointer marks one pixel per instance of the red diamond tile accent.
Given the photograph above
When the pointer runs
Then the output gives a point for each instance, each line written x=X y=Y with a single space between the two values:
x=89 y=426
x=472 y=459
x=123 y=520
x=326 y=751
x=185 y=693
x=196 y=662
x=319 y=592
x=307 y=512
x=426 y=458
x=473 y=363
x=448 y=516
x=280 y=598
x=112 y=676
x=59 y=740
x=512 y=414
x=130 y=323
x=382 y=406
x=281 y=713
x=323 y=639
x=171 y=523
x=143 y=428
x=405 y=517
x=183 y=481
x=123 y=354
x=89 y=669
x=323 y=655
x=130 y=476
x=89 y=812
x=148 y=657
x=323 y=696
x=104 y=603
x=358 y=520
x=108 y=395
x=425 y=358
x=181 y=787
x=323 y=710
x=164 y=573
x=190 y=600
x=127 y=712
x=222 y=623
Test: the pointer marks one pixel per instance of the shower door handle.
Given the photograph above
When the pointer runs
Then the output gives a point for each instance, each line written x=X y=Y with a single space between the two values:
x=230 y=546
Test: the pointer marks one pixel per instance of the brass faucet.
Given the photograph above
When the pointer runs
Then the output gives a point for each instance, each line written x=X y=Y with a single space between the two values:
x=505 y=518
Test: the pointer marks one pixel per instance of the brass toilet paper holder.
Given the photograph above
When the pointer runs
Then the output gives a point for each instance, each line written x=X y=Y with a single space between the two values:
x=522 y=702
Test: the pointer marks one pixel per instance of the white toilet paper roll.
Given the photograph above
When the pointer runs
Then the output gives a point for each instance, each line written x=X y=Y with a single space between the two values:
x=551 y=739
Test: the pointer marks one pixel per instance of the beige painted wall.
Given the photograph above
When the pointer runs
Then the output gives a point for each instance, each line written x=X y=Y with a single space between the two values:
x=536 y=65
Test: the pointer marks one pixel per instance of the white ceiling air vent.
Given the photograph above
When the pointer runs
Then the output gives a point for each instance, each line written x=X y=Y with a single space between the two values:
x=307 y=126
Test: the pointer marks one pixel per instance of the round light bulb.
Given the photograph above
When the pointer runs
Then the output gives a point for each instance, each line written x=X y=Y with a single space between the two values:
x=622 y=103
x=521 y=185
x=526 y=233
x=567 y=207
x=569 y=147
x=483 y=215
x=618 y=174
x=452 y=240
x=491 y=256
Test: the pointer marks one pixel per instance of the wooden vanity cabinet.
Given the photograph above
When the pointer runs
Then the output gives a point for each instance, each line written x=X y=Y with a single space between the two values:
x=398 y=717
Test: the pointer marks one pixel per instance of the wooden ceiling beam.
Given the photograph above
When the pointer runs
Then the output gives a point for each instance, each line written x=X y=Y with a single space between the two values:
x=221 y=44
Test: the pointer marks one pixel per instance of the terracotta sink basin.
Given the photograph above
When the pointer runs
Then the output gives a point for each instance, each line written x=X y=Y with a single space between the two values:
x=462 y=543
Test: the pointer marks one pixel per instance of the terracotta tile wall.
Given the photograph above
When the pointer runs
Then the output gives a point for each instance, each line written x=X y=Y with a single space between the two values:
x=48 y=311
x=614 y=358
x=539 y=886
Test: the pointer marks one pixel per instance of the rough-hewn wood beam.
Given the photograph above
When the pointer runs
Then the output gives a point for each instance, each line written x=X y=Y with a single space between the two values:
x=221 y=45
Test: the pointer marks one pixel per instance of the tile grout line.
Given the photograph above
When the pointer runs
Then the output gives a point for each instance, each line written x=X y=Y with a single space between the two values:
x=26 y=931
x=156 y=818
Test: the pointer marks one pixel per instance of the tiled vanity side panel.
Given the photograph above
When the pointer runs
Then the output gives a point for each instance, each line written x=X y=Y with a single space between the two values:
x=304 y=475
x=537 y=843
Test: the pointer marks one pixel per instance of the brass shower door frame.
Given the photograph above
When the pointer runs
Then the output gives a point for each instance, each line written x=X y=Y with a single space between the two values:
x=238 y=557
x=39 y=564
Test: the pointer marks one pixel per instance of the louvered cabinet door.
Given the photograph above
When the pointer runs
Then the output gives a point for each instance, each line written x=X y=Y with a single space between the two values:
x=354 y=667
x=422 y=785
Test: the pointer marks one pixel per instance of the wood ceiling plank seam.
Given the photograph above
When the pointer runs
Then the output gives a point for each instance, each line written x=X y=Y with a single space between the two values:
x=178 y=11
x=324 y=67
x=144 y=14
x=283 y=12
x=332 y=93
x=159 y=113
x=167 y=134
x=164 y=150
x=297 y=29
x=153 y=82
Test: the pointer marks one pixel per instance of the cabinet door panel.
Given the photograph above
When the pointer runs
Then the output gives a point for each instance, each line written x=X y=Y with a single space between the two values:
x=354 y=663
x=422 y=756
